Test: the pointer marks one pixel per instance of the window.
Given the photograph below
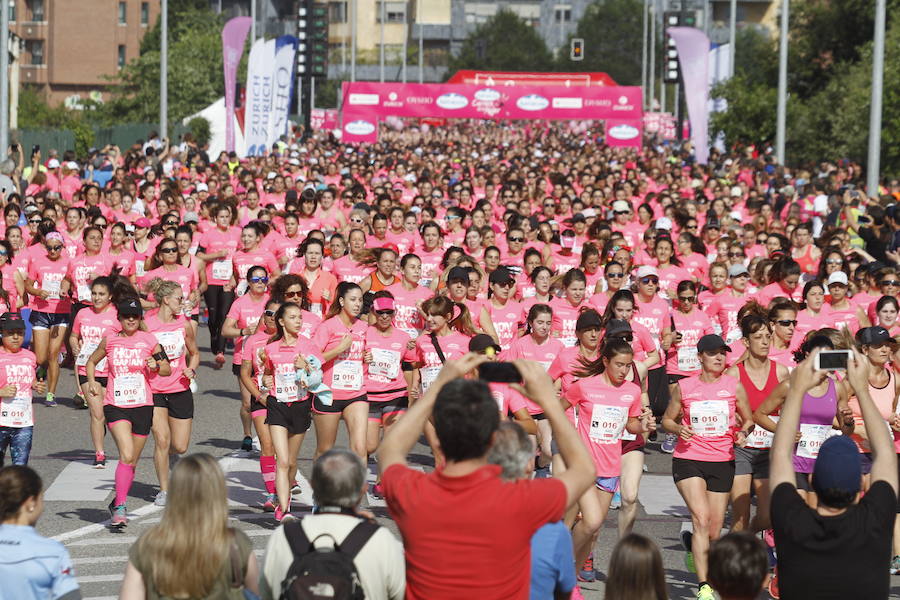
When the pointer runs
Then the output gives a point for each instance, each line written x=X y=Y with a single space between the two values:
x=36 y=49
x=394 y=12
x=37 y=10
x=12 y=11
x=562 y=14
x=123 y=13
x=337 y=12
x=121 y=58
x=145 y=13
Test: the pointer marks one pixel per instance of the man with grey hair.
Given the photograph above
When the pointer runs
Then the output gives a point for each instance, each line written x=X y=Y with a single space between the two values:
x=7 y=184
x=339 y=483
x=552 y=570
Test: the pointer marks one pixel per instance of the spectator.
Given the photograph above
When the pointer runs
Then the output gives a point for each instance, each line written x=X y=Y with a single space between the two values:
x=738 y=566
x=552 y=573
x=466 y=532
x=190 y=553
x=842 y=548
x=31 y=566
x=636 y=570
x=338 y=483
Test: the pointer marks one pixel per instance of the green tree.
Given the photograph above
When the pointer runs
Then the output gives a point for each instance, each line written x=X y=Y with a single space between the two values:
x=504 y=42
x=612 y=31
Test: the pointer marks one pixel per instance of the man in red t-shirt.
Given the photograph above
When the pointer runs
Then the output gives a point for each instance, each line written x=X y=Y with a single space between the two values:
x=466 y=532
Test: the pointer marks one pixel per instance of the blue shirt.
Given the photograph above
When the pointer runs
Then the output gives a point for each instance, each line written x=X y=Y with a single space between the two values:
x=34 y=567
x=551 y=561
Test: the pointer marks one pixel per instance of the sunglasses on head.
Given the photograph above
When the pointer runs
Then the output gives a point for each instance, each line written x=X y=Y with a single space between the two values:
x=258 y=279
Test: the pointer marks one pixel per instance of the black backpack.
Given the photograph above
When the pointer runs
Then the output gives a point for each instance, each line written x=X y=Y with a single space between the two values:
x=324 y=573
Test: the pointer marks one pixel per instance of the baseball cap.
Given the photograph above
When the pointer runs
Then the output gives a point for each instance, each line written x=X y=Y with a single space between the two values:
x=838 y=277
x=711 y=342
x=482 y=342
x=202 y=187
x=143 y=222
x=838 y=466
x=52 y=164
x=11 y=321
x=621 y=206
x=589 y=319
x=578 y=218
x=738 y=270
x=664 y=223
x=647 y=271
x=130 y=308
x=458 y=273
x=500 y=275
x=191 y=217
x=872 y=336
x=737 y=192
x=617 y=327
x=384 y=303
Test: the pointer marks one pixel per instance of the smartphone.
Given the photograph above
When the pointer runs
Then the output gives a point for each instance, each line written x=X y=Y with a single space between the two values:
x=832 y=360
x=35 y=149
x=499 y=372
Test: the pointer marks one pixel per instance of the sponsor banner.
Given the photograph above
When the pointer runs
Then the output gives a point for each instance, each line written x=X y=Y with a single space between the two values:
x=693 y=56
x=324 y=118
x=234 y=34
x=260 y=84
x=282 y=79
x=467 y=101
x=360 y=129
x=533 y=79
x=624 y=132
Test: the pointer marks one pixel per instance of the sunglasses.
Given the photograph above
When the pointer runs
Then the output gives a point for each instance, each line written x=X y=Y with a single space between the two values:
x=516 y=239
x=258 y=279
x=269 y=313
x=34 y=221
x=506 y=284
x=171 y=223
x=833 y=261
x=887 y=282
x=293 y=294
x=356 y=220
x=615 y=275
x=168 y=250
x=54 y=248
x=694 y=226
x=720 y=351
x=736 y=255
x=687 y=299
x=381 y=313
x=787 y=322
x=101 y=225
x=650 y=280
x=621 y=212
x=510 y=196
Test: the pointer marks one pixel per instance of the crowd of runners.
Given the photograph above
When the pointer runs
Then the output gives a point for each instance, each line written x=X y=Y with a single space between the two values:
x=668 y=301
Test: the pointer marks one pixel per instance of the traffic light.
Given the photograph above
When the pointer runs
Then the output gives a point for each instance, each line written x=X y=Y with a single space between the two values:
x=672 y=71
x=312 y=32
x=576 y=49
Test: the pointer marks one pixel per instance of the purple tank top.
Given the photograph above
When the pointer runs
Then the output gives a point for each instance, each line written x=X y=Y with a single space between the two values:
x=816 y=410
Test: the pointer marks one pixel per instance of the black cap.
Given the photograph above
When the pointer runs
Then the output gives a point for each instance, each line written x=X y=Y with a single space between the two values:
x=458 y=273
x=501 y=275
x=871 y=336
x=130 y=308
x=617 y=327
x=711 y=342
x=482 y=342
x=10 y=321
x=578 y=218
x=589 y=319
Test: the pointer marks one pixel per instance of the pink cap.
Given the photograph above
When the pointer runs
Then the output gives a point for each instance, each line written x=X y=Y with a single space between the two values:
x=143 y=222
x=383 y=304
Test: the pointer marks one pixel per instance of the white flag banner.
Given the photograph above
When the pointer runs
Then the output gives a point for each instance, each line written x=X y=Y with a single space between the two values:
x=258 y=101
x=282 y=76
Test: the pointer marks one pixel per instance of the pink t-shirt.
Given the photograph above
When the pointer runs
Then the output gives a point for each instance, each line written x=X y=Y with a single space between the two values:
x=723 y=309
x=242 y=262
x=344 y=374
x=527 y=348
x=280 y=362
x=565 y=316
x=219 y=271
x=17 y=368
x=509 y=402
x=431 y=262
x=186 y=277
x=682 y=358
x=506 y=320
x=653 y=315
x=246 y=312
x=603 y=412
x=171 y=337
x=775 y=290
x=384 y=377
x=127 y=355
x=347 y=269
x=671 y=276
x=429 y=362
x=709 y=411
x=91 y=327
x=48 y=275
x=406 y=304
x=83 y=270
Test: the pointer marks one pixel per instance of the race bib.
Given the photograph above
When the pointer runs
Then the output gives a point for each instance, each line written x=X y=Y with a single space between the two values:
x=16 y=412
x=709 y=418
x=347 y=375
x=569 y=342
x=733 y=336
x=172 y=342
x=84 y=293
x=286 y=389
x=241 y=288
x=688 y=358
x=385 y=363
x=412 y=333
x=129 y=390
x=316 y=309
x=51 y=282
x=811 y=439
x=607 y=423
x=88 y=348
x=429 y=375
x=222 y=269
x=761 y=438
x=139 y=267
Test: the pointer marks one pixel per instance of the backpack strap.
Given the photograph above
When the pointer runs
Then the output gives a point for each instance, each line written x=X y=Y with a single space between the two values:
x=358 y=537
x=437 y=347
x=296 y=538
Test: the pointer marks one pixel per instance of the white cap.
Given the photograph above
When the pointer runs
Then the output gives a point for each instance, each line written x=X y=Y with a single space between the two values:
x=410 y=177
x=737 y=192
x=647 y=271
x=664 y=223
x=52 y=164
x=837 y=277
x=72 y=165
x=589 y=212
x=202 y=187
x=621 y=206
x=295 y=162
x=272 y=175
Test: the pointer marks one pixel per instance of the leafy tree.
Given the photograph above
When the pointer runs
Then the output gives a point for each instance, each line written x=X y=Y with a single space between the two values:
x=504 y=42
x=613 y=31
x=35 y=113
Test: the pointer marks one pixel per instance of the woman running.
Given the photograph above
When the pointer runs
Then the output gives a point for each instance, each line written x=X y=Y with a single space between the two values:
x=409 y=296
x=17 y=382
x=702 y=412
x=341 y=341
x=783 y=321
x=813 y=315
x=173 y=401
x=128 y=402
x=88 y=330
x=501 y=316
x=184 y=238
x=567 y=308
x=689 y=324
x=322 y=284
x=217 y=246
x=250 y=255
x=385 y=273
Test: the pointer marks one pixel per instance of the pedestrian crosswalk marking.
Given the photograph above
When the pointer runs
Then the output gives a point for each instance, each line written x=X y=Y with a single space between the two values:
x=79 y=481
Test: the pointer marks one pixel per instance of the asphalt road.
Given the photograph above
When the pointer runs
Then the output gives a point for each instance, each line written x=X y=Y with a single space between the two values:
x=77 y=495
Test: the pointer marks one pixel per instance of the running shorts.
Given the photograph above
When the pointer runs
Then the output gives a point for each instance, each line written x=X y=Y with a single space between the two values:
x=180 y=404
x=140 y=417
x=719 y=476
x=295 y=417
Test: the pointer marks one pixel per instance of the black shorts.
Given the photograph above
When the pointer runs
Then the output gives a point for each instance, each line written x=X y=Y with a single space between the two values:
x=257 y=407
x=180 y=404
x=140 y=417
x=406 y=366
x=295 y=417
x=42 y=320
x=196 y=317
x=337 y=406
x=236 y=369
x=539 y=416
x=379 y=410
x=82 y=379
x=673 y=378
x=751 y=461
x=719 y=476
x=803 y=481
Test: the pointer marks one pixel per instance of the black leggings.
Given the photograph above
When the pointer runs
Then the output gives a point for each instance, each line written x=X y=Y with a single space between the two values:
x=218 y=301
x=658 y=390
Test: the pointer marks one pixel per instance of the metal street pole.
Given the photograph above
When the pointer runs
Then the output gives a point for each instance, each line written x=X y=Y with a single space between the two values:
x=164 y=70
x=353 y=7
x=381 y=49
x=405 y=39
x=644 y=52
x=872 y=173
x=781 y=117
x=732 y=36
x=4 y=76
x=652 y=83
x=252 y=21
x=421 y=56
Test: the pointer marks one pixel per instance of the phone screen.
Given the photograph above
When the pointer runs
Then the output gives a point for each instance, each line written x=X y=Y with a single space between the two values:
x=499 y=372
x=833 y=360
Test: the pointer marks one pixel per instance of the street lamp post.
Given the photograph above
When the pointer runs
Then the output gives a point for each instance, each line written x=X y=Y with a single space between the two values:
x=781 y=117
x=164 y=70
x=4 y=75
x=874 y=166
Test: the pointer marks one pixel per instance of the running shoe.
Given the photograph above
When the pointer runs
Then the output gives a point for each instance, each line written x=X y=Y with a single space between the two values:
x=378 y=490
x=99 y=460
x=247 y=444
x=616 y=502
x=773 y=585
x=296 y=489
x=687 y=538
x=280 y=515
x=160 y=499
x=769 y=538
x=50 y=400
x=668 y=445
x=288 y=517
x=220 y=361
x=271 y=503
x=587 y=573
x=895 y=566
x=119 y=516
x=706 y=593
x=79 y=402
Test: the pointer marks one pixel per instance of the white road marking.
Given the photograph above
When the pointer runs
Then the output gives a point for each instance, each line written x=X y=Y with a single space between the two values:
x=659 y=496
x=81 y=482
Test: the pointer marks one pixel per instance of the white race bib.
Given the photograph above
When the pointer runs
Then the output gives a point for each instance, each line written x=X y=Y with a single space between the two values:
x=428 y=374
x=761 y=438
x=688 y=358
x=241 y=288
x=811 y=439
x=88 y=348
x=347 y=375
x=286 y=389
x=84 y=293
x=733 y=336
x=51 y=282
x=385 y=363
x=172 y=342
x=607 y=423
x=316 y=309
x=709 y=418
x=569 y=342
x=222 y=269
x=129 y=390
x=16 y=412
x=139 y=267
